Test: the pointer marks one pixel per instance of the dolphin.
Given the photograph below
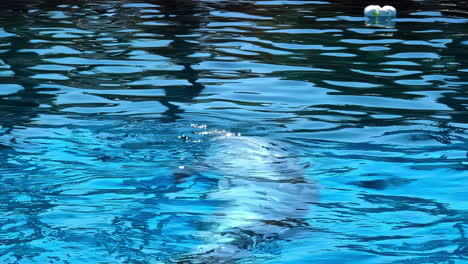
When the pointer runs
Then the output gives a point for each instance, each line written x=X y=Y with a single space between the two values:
x=263 y=194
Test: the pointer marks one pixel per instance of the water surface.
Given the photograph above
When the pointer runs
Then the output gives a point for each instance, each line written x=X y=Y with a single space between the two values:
x=110 y=112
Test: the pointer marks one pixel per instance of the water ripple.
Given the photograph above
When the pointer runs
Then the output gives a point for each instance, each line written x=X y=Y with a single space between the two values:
x=232 y=132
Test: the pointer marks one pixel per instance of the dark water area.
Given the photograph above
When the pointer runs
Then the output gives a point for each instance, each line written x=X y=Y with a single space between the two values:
x=232 y=132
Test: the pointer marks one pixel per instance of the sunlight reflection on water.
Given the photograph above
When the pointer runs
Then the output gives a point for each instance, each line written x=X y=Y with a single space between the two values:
x=348 y=141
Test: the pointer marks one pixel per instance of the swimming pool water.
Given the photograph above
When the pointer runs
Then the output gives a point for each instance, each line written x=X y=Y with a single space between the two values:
x=232 y=132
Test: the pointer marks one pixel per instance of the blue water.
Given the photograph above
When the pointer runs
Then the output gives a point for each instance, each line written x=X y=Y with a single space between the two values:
x=232 y=132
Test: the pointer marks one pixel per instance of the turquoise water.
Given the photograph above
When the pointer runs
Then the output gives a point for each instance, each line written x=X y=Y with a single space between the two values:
x=232 y=132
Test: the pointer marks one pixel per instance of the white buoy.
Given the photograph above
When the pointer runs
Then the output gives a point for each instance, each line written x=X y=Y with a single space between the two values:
x=375 y=10
x=388 y=11
x=371 y=10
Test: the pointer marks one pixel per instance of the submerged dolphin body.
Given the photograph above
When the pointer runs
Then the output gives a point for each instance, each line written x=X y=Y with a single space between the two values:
x=263 y=195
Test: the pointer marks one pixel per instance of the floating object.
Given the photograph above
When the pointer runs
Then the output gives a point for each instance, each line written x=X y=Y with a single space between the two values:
x=382 y=22
x=380 y=16
x=377 y=11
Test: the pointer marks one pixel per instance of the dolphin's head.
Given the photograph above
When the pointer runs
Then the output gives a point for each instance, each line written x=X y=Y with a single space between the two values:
x=252 y=157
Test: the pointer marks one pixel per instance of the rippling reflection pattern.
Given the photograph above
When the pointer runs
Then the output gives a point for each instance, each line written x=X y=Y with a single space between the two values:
x=109 y=111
